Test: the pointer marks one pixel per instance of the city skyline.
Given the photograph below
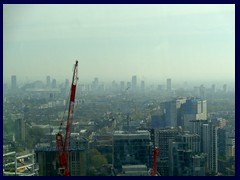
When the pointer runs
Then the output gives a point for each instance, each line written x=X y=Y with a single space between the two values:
x=134 y=83
x=115 y=42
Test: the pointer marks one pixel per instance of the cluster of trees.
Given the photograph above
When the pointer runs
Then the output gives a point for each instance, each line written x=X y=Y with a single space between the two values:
x=96 y=163
x=217 y=105
x=33 y=136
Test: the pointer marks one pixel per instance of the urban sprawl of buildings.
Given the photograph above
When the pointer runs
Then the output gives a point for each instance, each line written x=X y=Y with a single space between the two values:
x=117 y=126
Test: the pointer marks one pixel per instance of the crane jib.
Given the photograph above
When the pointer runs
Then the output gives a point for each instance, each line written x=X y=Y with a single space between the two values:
x=63 y=146
x=73 y=93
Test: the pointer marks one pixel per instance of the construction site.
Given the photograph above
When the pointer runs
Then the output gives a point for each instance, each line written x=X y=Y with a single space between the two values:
x=20 y=165
x=89 y=130
x=67 y=152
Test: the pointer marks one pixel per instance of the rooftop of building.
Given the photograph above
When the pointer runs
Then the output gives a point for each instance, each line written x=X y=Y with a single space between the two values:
x=142 y=134
x=77 y=143
x=134 y=170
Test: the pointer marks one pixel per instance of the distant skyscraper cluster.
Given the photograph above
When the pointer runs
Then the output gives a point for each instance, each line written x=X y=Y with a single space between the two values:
x=181 y=112
x=134 y=85
x=51 y=84
x=179 y=149
x=182 y=130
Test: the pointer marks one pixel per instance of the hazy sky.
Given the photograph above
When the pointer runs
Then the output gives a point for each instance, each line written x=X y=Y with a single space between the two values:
x=114 y=42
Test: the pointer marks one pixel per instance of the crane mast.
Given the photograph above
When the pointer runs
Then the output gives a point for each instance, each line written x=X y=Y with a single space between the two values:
x=154 y=166
x=63 y=145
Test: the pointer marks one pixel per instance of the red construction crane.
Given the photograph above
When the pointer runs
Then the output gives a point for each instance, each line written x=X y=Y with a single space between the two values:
x=63 y=146
x=154 y=166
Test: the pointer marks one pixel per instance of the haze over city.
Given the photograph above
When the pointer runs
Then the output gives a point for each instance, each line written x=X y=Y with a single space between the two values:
x=119 y=90
x=114 y=42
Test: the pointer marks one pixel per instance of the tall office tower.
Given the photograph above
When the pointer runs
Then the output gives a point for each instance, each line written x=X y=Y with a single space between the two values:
x=221 y=142
x=179 y=159
x=173 y=112
x=205 y=137
x=196 y=126
x=192 y=141
x=157 y=120
x=169 y=84
x=209 y=146
x=165 y=135
x=142 y=86
x=54 y=83
x=185 y=158
x=131 y=149
x=48 y=79
x=225 y=88
x=134 y=83
x=48 y=158
x=78 y=157
x=20 y=130
x=14 y=82
x=193 y=109
x=179 y=103
x=199 y=164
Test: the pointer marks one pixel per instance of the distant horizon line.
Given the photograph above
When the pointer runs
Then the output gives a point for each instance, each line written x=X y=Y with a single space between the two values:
x=107 y=80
